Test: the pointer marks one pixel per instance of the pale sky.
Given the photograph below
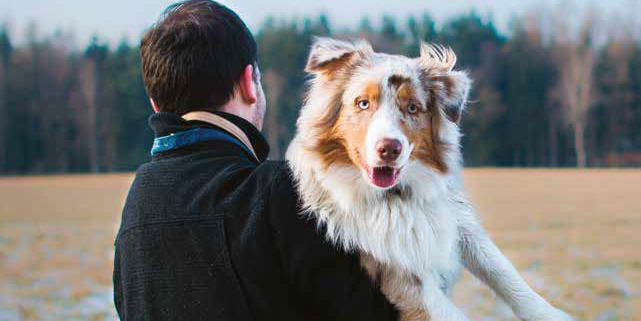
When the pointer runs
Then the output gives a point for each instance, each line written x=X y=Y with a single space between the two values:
x=115 y=19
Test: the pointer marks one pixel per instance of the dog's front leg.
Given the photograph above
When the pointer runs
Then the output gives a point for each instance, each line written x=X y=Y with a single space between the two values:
x=483 y=258
x=438 y=305
x=418 y=298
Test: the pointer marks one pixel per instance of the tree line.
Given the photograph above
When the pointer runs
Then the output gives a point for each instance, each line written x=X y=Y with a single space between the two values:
x=545 y=93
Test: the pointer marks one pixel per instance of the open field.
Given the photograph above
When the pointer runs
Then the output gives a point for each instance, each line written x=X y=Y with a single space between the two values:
x=575 y=236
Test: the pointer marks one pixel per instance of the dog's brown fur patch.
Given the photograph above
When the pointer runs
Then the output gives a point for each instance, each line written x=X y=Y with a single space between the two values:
x=373 y=92
x=331 y=149
x=341 y=135
x=397 y=80
x=428 y=148
x=415 y=314
x=330 y=66
x=330 y=145
x=354 y=123
x=406 y=93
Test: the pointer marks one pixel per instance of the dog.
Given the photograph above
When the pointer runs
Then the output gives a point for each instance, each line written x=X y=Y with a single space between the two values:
x=376 y=159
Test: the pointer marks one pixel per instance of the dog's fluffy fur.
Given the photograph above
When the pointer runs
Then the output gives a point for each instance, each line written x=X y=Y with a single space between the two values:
x=415 y=236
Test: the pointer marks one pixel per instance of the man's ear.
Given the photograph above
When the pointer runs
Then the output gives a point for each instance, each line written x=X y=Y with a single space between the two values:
x=153 y=105
x=328 y=55
x=247 y=87
x=450 y=87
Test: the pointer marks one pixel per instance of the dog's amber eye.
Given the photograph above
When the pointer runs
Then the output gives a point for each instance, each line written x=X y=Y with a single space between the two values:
x=363 y=104
x=412 y=108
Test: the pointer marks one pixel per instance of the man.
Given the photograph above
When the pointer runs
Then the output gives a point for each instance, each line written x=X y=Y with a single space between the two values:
x=210 y=229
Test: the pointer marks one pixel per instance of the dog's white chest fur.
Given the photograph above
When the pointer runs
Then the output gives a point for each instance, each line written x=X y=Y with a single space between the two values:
x=409 y=233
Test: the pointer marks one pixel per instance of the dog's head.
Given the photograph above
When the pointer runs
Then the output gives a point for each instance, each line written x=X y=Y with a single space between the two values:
x=381 y=112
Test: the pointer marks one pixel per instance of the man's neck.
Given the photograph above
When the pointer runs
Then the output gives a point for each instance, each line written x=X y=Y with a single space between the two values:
x=242 y=110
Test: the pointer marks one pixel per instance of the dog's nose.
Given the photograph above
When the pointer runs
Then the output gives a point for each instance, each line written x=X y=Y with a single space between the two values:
x=388 y=149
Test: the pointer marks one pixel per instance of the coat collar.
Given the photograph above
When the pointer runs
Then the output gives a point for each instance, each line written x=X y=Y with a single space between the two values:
x=164 y=124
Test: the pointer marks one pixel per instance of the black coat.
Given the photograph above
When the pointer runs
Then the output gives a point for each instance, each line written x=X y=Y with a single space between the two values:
x=209 y=233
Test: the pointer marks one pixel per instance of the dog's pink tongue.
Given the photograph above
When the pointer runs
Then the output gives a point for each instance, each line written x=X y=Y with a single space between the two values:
x=383 y=177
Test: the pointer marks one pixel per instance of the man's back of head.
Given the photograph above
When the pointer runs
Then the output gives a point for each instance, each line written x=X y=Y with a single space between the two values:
x=194 y=56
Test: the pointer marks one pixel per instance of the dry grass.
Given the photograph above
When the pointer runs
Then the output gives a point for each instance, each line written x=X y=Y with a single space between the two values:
x=56 y=246
x=575 y=236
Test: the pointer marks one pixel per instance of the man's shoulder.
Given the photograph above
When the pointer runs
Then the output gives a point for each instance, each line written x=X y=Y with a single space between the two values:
x=279 y=176
x=273 y=167
x=283 y=202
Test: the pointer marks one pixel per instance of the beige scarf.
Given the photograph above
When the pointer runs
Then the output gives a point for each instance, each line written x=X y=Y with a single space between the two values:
x=222 y=123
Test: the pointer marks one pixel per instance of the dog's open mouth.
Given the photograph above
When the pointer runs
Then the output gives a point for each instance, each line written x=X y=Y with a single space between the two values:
x=383 y=176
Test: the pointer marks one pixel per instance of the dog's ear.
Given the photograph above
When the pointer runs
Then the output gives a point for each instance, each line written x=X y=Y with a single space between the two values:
x=450 y=87
x=328 y=55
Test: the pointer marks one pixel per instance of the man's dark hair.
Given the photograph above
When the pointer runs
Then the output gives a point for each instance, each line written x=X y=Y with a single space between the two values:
x=194 y=56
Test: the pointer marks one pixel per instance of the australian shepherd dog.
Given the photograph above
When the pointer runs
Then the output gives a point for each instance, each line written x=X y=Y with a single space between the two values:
x=376 y=159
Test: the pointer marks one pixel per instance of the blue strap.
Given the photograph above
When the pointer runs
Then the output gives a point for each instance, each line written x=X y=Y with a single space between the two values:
x=192 y=136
